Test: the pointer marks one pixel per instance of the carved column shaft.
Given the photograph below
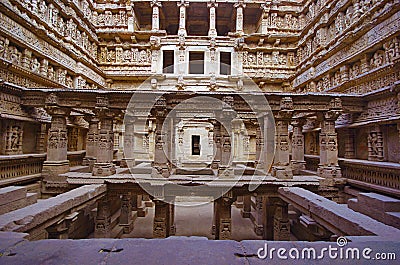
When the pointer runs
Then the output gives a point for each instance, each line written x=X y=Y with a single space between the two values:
x=212 y=32
x=91 y=142
x=160 y=164
x=259 y=144
x=239 y=16
x=246 y=211
x=105 y=145
x=41 y=139
x=281 y=168
x=103 y=219
x=349 y=144
x=162 y=219
x=298 y=162
x=155 y=25
x=129 y=143
x=125 y=218
x=182 y=18
x=222 y=218
x=281 y=222
x=329 y=162
x=217 y=144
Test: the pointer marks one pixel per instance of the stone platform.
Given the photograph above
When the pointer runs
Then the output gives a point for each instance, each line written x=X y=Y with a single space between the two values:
x=174 y=250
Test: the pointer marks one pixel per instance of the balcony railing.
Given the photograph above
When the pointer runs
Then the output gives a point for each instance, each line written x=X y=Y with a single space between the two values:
x=385 y=174
x=25 y=167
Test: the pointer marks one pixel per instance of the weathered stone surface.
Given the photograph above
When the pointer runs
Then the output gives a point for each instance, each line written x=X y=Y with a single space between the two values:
x=27 y=218
x=12 y=193
x=380 y=207
x=330 y=214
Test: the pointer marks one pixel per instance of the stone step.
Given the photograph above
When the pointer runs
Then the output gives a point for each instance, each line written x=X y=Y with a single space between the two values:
x=12 y=193
x=379 y=202
x=393 y=219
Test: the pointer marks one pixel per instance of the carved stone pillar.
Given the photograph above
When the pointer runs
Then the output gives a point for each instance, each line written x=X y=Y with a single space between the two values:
x=281 y=222
x=182 y=17
x=217 y=144
x=375 y=144
x=155 y=22
x=105 y=145
x=225 y=168
x=239 y=16
x=125 y=218
x=212 y=5
x=129 y=143
x=91 y=142
x=222 y=217
x=41 y=139
x=269 y=214
x=265 y=7
x=298 y=162
x=329 y=163
x=72 y=134
x=281 y=168
x=160 y=164
x=162 y=219
x=349 y=151
x=259 y=218
x=103 y=227
x=138 y=205
x=259 y=144
x=246 y=211
x=56 y=162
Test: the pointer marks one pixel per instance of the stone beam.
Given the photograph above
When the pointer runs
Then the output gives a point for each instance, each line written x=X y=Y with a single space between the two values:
x=337 y=218
x=35 y=218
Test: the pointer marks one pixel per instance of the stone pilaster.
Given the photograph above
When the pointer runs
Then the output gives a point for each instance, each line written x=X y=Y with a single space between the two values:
x=375 y=144
x=103 y=227
x=259 y=216
x=259 y=144
x=212 y=5
x=349 y=147
x=41 y=139
x=160 y=163
x=222 y=217
x=298 y=162
x=281 y=222
x=105 y=145
x=239 y=16
x=281 y=168
x=125 y=218
x=129 y=143
x=217 y=144
x=225 y=168
x=155 y=22
x=182 y=17
x=91 y=142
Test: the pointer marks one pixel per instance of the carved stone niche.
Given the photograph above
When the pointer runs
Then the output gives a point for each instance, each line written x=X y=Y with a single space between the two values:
x=12 y=137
